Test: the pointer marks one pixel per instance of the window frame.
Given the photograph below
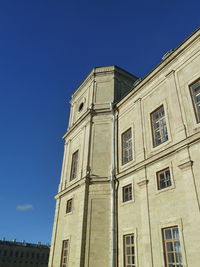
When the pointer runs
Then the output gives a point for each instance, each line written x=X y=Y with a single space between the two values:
x=130 y=148
x=173 y=251
x=152 y=126
x=158 y=178
x=64 y=264
x=123 y=193
x=125 y=246
x=193 y=100
x=69 y=206
x=73 y=162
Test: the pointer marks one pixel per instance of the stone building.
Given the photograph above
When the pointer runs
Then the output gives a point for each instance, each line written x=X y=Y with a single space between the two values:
x=22 y=254
x=130 y=183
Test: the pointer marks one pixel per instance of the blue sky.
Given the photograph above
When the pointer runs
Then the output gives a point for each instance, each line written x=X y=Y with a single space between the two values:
x=47 y=47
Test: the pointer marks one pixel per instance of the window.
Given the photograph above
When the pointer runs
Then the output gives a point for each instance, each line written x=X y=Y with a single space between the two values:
x=80 y=107
x=159 y=126
x=127 y=192
x=127 y=154
x=129 y=251
x=69 y=205
x=74 y=165
x=195 y=93
x=172 y=247
x=65 y=250
x=164 y=179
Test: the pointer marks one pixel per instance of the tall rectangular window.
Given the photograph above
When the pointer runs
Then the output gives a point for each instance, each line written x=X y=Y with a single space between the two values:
x=127 y=192
x=159 y=126
x=172 y=247
x=69 y=205
x=129 y=251
x=74 y=165
x=195 y=93
x=164 y=179
x=127 y=153
x=65 y=251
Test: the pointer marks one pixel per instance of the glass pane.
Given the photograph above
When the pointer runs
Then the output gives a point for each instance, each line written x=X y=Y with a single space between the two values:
x=162 y=176
x=196 y=87
x=169 y=246
x=133 y=250
x=133 y=259
x=197 y=98
x=127 y=240
x=168 y=234
x=175 y=233
x=178 y=257
x=170 y=257
x=132 y=237
x=128 y=250
x=162 y=184
x=129 y=259
x=177 y=246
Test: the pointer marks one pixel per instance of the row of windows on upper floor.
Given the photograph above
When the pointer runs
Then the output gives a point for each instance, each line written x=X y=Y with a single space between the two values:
x=163 y=178
x=15 y=254
x=172 y=249
x=159 y=131
x=22 y=263
x=159 y=125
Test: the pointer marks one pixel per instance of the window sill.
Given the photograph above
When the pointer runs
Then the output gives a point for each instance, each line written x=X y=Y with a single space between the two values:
x=69 y=213
x=169 y=188
x=127 y=202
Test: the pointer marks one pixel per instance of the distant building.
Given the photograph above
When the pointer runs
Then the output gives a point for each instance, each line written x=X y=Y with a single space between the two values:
x=22 y=254
x=129 y=194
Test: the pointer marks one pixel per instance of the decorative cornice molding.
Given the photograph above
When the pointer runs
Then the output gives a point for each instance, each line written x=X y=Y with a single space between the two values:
x=142 y=182
x=186 y=164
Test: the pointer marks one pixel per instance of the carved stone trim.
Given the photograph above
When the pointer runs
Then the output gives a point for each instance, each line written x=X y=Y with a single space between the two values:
x=170 y=73
x=186 y=164
x=142 y=182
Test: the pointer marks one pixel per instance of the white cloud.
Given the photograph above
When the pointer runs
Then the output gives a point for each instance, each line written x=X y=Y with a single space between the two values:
x=24 y=207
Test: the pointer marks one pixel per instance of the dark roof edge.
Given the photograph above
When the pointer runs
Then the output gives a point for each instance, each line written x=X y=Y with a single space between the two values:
x=165 y=59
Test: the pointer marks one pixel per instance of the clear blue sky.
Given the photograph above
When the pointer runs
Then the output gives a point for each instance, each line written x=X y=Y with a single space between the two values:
x=47 y=47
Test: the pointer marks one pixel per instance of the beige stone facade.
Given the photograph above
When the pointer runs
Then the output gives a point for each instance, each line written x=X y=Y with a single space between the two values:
x=130 y=184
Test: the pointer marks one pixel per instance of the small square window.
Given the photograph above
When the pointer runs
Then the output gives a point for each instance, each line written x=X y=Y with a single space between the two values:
x=69 y=205
x=195 y=94
x=127 y=193
x=164 y=179
x=159 y=126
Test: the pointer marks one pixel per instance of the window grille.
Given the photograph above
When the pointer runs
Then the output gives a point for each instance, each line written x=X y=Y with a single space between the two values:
x=129 y=251
x=127 y=192
x=172 y=247
x=69 y=206
x=195 y=93
x=65 y=252
x=159 y=126
x=74 y=165
x=164 y=179
x=127 y=153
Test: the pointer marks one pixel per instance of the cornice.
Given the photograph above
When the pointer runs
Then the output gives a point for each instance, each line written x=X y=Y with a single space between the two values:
x=72 y=187
x=101 y=71
x=169 y=58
